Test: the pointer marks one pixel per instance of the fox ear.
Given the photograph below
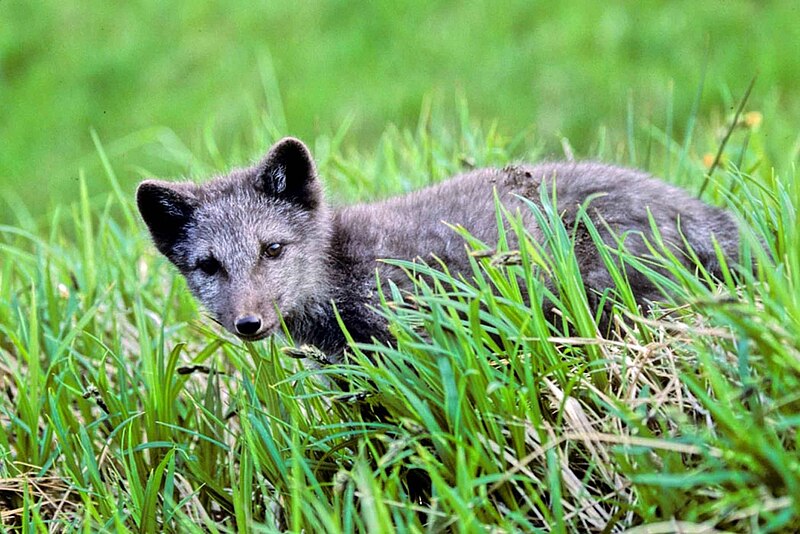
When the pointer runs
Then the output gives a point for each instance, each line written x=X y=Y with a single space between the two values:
x=167 y=209
x=288 y=173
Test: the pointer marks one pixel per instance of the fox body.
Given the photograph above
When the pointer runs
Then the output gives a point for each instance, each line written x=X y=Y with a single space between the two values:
x=261 y=244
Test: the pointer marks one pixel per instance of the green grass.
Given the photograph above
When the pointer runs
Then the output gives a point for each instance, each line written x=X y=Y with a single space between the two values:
x=151 y=74
x=125 y=410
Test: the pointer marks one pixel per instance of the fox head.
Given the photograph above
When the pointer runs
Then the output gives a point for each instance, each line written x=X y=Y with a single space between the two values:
x=252 y=245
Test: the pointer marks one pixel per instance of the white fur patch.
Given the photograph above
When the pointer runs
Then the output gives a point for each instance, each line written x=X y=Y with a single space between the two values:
x=278 y=177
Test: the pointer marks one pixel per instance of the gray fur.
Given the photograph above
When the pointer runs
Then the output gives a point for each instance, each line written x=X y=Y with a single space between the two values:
x=332 y=256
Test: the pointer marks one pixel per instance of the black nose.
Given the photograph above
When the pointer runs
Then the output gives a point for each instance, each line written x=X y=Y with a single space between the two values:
x=247 y=325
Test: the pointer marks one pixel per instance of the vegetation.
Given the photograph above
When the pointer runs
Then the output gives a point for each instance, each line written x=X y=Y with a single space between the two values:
x=156 y=79
x=125 y=409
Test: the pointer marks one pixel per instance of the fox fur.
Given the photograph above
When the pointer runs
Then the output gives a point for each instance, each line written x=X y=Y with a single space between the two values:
x=261 y=244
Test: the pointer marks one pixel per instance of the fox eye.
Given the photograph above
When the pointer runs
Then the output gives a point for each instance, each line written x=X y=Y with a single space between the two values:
x=209 y=265
x=271 y=250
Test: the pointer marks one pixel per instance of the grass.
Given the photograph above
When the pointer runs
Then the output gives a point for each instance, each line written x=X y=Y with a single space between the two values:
x=125 y=410
x=152 y=73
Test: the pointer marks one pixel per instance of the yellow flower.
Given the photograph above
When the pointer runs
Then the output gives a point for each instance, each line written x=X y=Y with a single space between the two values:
x=752 y=119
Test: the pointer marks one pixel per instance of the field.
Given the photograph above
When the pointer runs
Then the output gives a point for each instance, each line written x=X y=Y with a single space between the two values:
x=125 y=409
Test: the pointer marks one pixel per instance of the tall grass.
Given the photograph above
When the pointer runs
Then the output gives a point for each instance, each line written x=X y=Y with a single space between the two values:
x=124 y=410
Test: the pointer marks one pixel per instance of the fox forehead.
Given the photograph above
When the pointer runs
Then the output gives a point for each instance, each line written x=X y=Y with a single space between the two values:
x=245 y=219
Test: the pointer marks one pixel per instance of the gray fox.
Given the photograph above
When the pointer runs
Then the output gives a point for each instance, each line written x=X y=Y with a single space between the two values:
x=261 y=244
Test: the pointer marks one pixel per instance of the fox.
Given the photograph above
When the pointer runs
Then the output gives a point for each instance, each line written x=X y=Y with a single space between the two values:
x=260 y=247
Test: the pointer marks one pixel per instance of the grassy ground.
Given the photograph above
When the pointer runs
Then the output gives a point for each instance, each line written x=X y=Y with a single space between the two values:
x=125 y=410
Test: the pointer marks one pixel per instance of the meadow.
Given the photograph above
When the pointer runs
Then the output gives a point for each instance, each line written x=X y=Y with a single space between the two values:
x=125 y=409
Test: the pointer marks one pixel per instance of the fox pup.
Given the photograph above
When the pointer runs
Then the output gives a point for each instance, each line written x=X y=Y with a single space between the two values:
x=261 y=244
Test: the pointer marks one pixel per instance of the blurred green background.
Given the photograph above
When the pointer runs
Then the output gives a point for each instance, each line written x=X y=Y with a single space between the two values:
x=150 y=74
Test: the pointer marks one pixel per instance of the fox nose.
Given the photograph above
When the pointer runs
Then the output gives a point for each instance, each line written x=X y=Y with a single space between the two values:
x=247 y=325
